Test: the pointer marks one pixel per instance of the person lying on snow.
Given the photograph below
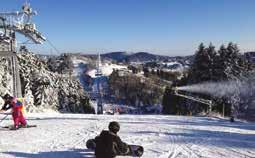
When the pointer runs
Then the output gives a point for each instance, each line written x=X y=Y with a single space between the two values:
x=109 y=144
x=17 y=110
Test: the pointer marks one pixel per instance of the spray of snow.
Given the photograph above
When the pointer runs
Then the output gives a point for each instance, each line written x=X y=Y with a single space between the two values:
x=221 y=89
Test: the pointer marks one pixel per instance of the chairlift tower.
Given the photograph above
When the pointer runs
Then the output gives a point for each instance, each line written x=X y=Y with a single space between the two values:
x=99 y=109
x=10 y=23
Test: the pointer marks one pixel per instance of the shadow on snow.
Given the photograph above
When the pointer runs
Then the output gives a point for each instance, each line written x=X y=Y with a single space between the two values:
x=73 y=153
x=206 y=137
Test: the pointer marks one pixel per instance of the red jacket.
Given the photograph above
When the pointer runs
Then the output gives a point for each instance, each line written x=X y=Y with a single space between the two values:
x=16 y=104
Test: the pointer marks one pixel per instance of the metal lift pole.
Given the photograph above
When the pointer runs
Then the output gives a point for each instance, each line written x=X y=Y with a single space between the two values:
x=20 y=22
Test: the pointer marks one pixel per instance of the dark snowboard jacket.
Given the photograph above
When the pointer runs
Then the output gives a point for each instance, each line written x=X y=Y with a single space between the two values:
x=109 y=145
x=7 y=105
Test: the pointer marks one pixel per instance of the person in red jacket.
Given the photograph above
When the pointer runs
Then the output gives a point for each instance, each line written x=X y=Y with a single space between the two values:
x=17 y=110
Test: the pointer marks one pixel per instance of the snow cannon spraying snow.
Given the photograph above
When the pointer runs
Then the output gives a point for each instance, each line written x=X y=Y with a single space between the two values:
x=178 y=92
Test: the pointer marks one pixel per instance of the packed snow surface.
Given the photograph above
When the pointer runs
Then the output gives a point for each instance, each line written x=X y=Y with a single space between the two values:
x=64 y=136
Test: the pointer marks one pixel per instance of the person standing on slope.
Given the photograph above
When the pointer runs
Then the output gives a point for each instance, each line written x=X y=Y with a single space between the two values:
x=109 y=144
x=17 y=110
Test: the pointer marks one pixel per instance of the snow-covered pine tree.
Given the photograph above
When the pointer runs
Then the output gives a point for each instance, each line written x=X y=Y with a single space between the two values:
x=202 y=69
x=49 y=89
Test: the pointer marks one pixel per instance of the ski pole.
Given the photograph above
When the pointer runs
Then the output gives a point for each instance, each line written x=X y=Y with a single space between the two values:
x=4 y=118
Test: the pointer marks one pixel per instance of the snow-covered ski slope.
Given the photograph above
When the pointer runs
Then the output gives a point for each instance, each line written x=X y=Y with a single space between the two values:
x=64 y=136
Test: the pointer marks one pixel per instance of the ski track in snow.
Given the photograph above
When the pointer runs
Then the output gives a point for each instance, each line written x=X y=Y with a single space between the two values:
x=65 y=135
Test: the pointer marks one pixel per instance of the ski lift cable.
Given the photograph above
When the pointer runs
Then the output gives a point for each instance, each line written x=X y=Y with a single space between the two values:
x=25 y=42
x=50 y=43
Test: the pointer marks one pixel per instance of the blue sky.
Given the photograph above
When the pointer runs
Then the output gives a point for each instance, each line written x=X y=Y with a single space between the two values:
x=169 y=27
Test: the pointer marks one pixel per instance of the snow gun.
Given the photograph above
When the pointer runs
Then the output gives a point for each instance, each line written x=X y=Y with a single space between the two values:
x=178 y=92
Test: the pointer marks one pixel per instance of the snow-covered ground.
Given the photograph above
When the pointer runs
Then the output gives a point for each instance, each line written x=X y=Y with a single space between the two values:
x=64 y=136
x=78 y=66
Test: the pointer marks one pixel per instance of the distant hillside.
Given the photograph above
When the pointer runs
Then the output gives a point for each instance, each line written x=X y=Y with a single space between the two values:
x=250 y=56
x=144 y=57
x=117 y=56
x=135 y=57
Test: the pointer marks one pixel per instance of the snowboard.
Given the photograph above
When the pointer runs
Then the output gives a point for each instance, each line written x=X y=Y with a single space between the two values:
x=134 y=150
x=20 y=126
